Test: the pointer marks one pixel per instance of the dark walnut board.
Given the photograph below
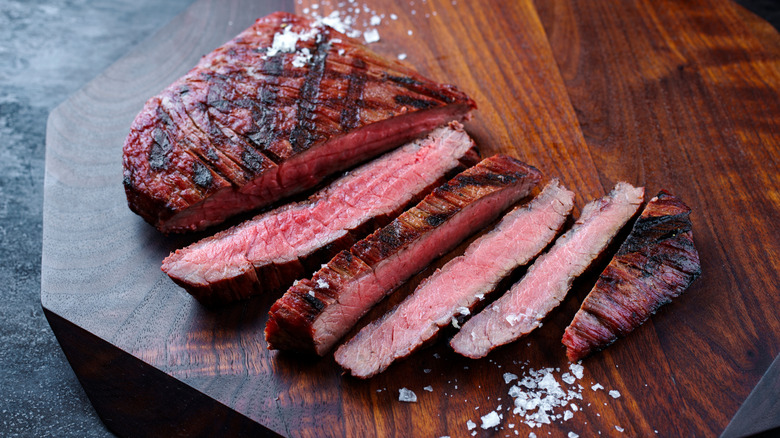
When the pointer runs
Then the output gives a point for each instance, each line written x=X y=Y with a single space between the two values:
x=660 y=94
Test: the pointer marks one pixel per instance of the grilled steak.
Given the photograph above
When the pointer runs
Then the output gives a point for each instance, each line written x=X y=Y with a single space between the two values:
x=656 y=263
x=271 y=113
x=548 y=280
x=315 y=313
x=269 y=252
x=459 y=285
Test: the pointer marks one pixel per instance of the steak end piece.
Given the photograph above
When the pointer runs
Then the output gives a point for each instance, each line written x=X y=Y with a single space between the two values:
x=271 y=113
x=549 y=279
x=316 y=313
x=656 y=263
x=267 y=253
x=458 y=286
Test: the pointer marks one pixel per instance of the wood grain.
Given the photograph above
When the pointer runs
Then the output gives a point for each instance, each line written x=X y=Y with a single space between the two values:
x=685 y=95
x=664 y=94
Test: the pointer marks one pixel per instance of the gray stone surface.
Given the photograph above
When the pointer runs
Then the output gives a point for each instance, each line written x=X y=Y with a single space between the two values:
x=48 y=50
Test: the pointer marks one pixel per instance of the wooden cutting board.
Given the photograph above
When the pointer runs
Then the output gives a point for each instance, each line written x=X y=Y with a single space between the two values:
x=665 y=94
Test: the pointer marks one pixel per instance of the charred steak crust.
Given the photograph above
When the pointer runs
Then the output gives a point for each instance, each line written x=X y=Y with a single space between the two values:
x=251 y=124
x=315 y=313
x=267 y=253
x=656 y=263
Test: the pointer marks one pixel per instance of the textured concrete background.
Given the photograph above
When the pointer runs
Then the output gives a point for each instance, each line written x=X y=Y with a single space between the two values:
x=48 y=50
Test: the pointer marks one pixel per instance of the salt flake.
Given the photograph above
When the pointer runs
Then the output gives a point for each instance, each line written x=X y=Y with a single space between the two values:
x=407 y=395
x=490 y=420
x=322 y=284
x=371 y=36
x=576 y=369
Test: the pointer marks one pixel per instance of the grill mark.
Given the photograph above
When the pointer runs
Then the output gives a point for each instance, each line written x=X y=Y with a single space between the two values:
x=252 y=160
x=435 y=220
x=263 y=107
x=201 y=175
x=479 y=180
x=304 y=133
x=314 y=302
x=404 y=80
x=403 y=99
x=350 y=114
x=420 y=87
x=264 y=115
x=158 y=154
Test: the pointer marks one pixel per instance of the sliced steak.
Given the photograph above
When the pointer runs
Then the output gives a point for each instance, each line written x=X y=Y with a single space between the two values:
x=270 y=251
x=315 y=313
x=656 y=263
x=271 y=113
x=459 y=285
x=548 y=280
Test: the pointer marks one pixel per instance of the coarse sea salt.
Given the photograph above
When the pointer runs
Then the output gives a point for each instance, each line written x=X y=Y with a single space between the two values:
x=286 y=41
x=371 y=36
x=407 y=395
x=322 y=284
x=463 y=310
x=490 y=420
x=614 y=394
x=577 y=370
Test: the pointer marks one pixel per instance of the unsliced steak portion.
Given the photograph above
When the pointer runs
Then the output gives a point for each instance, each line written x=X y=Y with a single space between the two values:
x=656 y=263
x=548 y=280
x=315 y=313
x=459 y=285
x=271 y=113
x=270 y=251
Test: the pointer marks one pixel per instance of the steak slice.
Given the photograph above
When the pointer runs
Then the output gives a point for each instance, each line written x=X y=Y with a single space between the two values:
x=315 y=313
x=656 y=263
x=270 y=251
x=459 y=285
x=548 y=280
x=270 y=113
